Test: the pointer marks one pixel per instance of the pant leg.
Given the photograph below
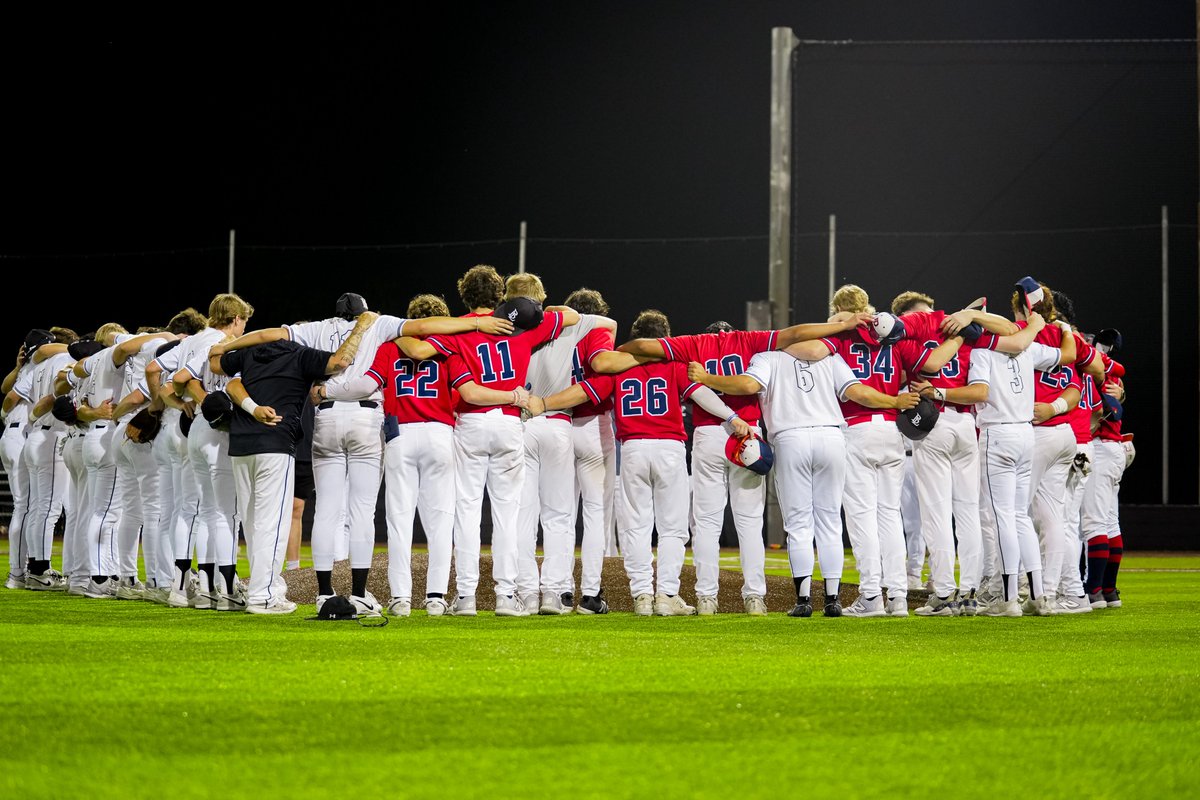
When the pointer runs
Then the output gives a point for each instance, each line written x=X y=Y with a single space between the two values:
x=401 y=484
x=129 y=523
x=557 y=492
x=910 y=516
x=102 y=486
x=1054 y=452
x=330 y=476
x=829 y=462
x=12 y=446
x=635 y=515
x=794 y=486
x=748 y=501
x=528 y=578
x=670 y=511
x=935 y=482
x=998 y=490
x=592 y=481
x=505 y=481
x=364 y=463
x=710 y=491
x=79 y=512
x=470 y=478
x=964 y=462
x=1071 y=582
x=889 y=471
x=861 y=501
x=435 y=501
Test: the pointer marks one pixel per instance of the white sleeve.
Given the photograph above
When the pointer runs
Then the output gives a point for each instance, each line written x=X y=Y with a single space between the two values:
x=711 y=402
x=980 y=370
x=306 y=333
x=91 y=362
x=24 y=385
x=354 y=389
x=194 y=361
x=1044 y=358
x=389 y=326
x=843 y=376
x=760 y=368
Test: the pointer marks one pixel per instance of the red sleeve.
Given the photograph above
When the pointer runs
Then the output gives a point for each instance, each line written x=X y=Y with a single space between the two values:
x=680 y=348
x=987 y=341
x=922 y=325
x=458 y=371
x=550 y=329
x=598 y=387
x=598 y=340
x=756 y=342
x=446 y=345
x=1112 y=369
x=686 y=387
x=384 y=363
x=912 y=355
x=1084 y=353
x=1077 y=381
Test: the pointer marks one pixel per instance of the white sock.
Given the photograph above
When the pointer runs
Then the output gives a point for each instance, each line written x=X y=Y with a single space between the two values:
x=293 y=565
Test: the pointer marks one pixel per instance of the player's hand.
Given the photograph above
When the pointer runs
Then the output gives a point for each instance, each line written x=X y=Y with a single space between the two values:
x=267 y=416
x=1115 y=390
x=1042 y=412
x=189 y=408
x=907 y=400
x=1036 y=321
x=953 y=323
x=697 y=373
x=740 y=427
x=923 y=388
x=520 y=397
x=534 y=407
x=1065 y=327
x=496 y=326
x=21 y=357
x=314 y=395
x=217 y=350
x=104 y=410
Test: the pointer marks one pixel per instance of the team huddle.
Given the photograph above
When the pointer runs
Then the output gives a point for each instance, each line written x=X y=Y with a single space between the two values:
x=968 y=436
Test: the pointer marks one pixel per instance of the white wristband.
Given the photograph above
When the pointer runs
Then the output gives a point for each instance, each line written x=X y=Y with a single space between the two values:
x=1059 y=406
x=939 y=394
x=248 y=406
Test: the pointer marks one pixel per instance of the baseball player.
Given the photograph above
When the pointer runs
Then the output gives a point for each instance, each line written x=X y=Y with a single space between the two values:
x=647 y=402
x=800 y=408
x=1006 y=443
x=715 y=479
x=12 y=446
x=1101 y=520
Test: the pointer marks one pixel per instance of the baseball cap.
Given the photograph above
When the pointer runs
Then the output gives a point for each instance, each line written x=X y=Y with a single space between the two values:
x=1031 y=292
x=918 y=421
x=522 y=312
x=83 y=348
x=349 y=306
x=217 y=409
x=1107 y=341
x=1113 y=410
x=751 y=452
x=885 y=329
x=35 y=339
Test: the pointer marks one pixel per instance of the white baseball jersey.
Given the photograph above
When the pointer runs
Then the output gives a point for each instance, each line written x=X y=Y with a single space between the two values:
x=550 y=365
x=1010 y=382
x=44 y=376
x=169 y=362
x=108 y=376
x=23 y=387
x=135 y=368
x=328 y=334
x=800 y=394
x=194 y=358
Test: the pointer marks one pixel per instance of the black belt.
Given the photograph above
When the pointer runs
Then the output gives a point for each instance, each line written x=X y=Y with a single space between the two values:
x=46 y=427
x=364 y=403
x=14 y=424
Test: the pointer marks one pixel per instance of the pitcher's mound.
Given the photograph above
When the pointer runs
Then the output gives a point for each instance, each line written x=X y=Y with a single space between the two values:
x=781 y=595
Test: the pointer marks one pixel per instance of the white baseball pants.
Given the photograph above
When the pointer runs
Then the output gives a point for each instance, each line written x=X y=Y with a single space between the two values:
x=189 y=530
x=548 y=493
x=79 y=511
x=874 y=474
x=714 y=478
x=1053 y=453
x=12 y=445
x=137 y=473
x=419 y=469
x=1100 y=516
x=1072 y=578
x=810 y=477
x=99 y=458
x=47 y=488
x=653 y=495
x=264 y=485
x=208 y=454
x=947 y=472
x=347 y=459
x=489 y=452
x=164 y=449
x=1005 y=454
x=910 y=518
x=595 y=447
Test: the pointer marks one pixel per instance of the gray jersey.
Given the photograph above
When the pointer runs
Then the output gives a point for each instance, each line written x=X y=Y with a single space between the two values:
x=550 y=367
x=328 y=334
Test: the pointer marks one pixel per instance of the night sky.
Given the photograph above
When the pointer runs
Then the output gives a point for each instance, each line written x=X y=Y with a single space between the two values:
x=453 y=122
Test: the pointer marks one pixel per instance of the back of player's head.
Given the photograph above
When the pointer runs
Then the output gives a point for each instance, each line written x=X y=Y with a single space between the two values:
x=1064 y=306
x=189 y=322
x=720 y=326
x=481 y=287
x=850 y=298
x=587 y=301
x=427 y=305
x=651 y=324
x=225 y=308
x=64 y=335
x=908 y=301
x=1045 y=306
x=524 y=284
x=107 y=332
x=349 y=306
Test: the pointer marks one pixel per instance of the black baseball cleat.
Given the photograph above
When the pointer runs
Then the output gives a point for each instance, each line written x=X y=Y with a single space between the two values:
x=833 y=608
x=803 y=608
x=1113 y=598
x=593 y=605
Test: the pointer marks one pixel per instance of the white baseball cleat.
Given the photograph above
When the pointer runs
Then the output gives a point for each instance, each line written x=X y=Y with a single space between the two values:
x=100 y=591
x=15 y=580
x=755 y=605
x=1001 y=608
x=177 y=599
x=553 y=605
x=1044 y=606
x=897 y=606
x=238 y=601
x=529 y=603
x=509 y=606
x=130 y=589
x=276 y=607
x=643 y=605
x=157 y=595
x=463 y=607
x=672 y=605
x=49 y=581
x=436 y=607
x=77 y=589
x=399 y=607
x=1073 y=605
x=862 y=607
x=706 y=604
x=367 y=605
x=937 y=607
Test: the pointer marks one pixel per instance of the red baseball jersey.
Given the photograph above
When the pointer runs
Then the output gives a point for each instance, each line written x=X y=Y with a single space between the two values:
x=647 y=400
x=497 y=362
x=1051 y=336
x=1049 y=386
x=725 y=353
x=1081 y=417
x=1110 y=429
x=413 y=391
x=596 y=341
x=881 y=368
x=924 y=327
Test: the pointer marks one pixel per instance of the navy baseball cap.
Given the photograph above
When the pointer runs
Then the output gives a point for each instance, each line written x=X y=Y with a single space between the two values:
x=349 y=306
x=918 y=421
x=522 y=312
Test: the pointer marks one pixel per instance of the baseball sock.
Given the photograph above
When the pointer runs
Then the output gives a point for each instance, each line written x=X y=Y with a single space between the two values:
x=1116 y=547
x=293 y=565
x=358 y=581
x=1097 y=563
x=184 y=565
x=324 y=582
x=1035 y=583
x=229 y=573
x=1010 y=587
x=440 y=596
x=209 y=572
x=39 y=567
x=803 y=586
x=832 y=585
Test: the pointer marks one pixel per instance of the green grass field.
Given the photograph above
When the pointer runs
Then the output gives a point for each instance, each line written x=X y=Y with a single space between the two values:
x=119 y=699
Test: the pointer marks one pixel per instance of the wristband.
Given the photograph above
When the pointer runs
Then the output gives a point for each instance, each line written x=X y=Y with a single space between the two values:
x=731 y=417
x=939 y=394
x=1059 y=406
x=248 y=406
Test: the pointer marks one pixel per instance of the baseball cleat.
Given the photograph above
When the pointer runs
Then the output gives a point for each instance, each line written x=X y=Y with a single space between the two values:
x=1074 y=605
x=436 y=607
x=77 y=589
x=157 y=595
x=400 y=607
x=643 y=605
x=755 y=605
x=706 y=604
x=1002 y=608
x=672 y=605
x=803 y=608
x=15 y=580
x=530 y=603
x=897 y=606
x=177 y=599
x=49 y=581
x=205 y=600
x=555 y=604
x=966 y=604
x=276 y=607
x=367 y=605
x=238 y=601
x=509 y=606
x=1044 y=606
x=1096 y=600
x=833 y=608
x=1113 y=598
x=463 y=607
x=589 y=604
x=130 y=589
x=937 y=607
x=100 y=591
x=863 y=607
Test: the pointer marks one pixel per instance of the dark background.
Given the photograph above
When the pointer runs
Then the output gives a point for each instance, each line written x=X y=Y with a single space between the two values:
x=612 y=120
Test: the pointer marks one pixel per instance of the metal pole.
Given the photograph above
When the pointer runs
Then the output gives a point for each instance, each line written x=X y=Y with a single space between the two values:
x=783 y=43
x=832 y=254
x=1166 y=380
x=521 y=252
x=231 y=245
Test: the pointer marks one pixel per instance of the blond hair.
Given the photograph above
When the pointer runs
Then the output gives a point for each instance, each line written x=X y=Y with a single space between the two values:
x=109 y=329
x=225 y=308
x=524 y=284
x=906 y=300
x=851 y=298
